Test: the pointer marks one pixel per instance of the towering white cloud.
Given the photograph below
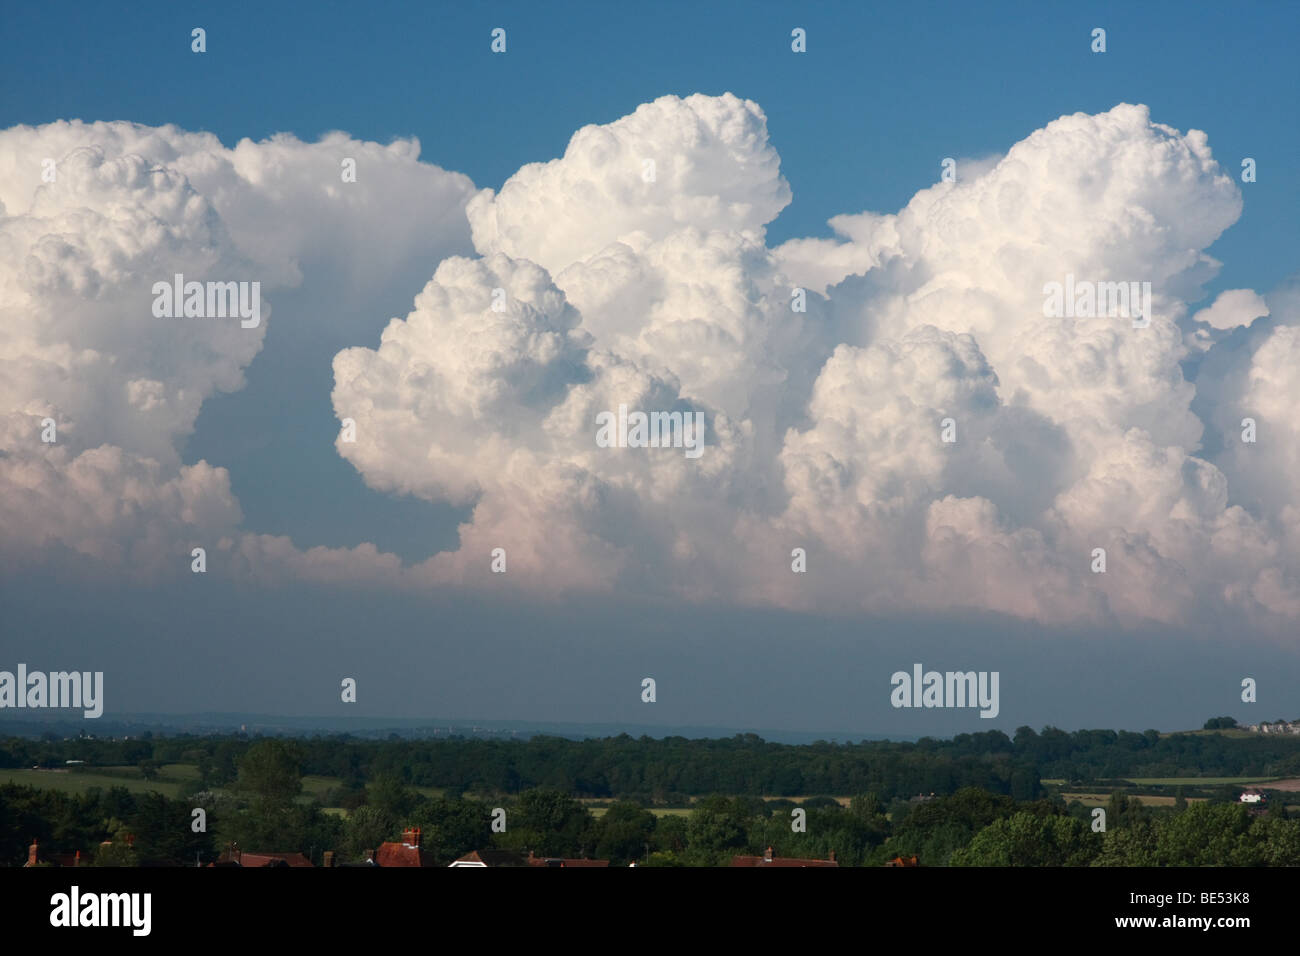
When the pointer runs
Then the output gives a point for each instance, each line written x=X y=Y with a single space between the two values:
x=701 y=162
x=1072 y=433
x=922 y=427
x=93 y=216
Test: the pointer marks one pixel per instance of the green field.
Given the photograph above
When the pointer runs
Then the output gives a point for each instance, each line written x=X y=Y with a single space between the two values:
x=1147 y=801
x=76 y=780
x=1198 y=781
x=168 y=782
x=599 y=812
x=842 y=801
x=172 y=776
x=313 y=786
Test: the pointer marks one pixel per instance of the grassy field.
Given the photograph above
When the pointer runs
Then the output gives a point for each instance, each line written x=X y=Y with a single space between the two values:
x=599 y=812
x=1100 y=799
x=685 y=811
x=313 y=786
x=1198 y=781
x=1179 y=781
x=842 y=801
x=75 y=780
x=171 y=777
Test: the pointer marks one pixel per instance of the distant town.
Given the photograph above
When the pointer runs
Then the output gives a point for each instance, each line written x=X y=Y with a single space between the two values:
x=1276 y=727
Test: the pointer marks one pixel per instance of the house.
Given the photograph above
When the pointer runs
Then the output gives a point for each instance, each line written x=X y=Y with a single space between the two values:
x=406 y=853
x=1277 y=727
x=901 y=861
x=234 y=856
x=1253 y=796
x=490 y=858
x=35 y=858
x=511 y=858
x=769 y=858
x=562 y=861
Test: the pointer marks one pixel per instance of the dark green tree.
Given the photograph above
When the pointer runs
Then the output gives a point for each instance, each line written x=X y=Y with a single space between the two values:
x=548 y=822
x=623 y=833
x=1028 y=839
x=269 y=772
x=452 y=828
x=716 y=827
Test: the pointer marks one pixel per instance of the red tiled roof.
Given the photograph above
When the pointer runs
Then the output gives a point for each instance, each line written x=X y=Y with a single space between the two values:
x=76 y=858
x=245 y=858
x=778 y=861
x=293 y=859
x=494 y=858
x=402 y=854
x=562 y=861
x=511 y=858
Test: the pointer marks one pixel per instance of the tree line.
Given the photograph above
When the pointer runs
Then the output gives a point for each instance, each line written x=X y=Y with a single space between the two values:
x=263 y=811
x=671 y=770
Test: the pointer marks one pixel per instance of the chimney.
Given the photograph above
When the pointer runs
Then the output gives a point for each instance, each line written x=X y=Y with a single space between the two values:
x=329 y=859
x=411 y=836
x=832 y=856
x=31 y=853
x=767 y=855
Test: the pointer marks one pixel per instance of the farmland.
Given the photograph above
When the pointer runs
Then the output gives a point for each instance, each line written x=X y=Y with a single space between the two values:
x=79 y=780
x=1146 y=800
x=1199 y=781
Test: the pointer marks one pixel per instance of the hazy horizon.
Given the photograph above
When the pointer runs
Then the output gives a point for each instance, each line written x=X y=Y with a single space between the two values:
x=465 y=265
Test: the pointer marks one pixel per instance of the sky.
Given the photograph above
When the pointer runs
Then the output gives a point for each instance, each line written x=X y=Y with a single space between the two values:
x=524 y=171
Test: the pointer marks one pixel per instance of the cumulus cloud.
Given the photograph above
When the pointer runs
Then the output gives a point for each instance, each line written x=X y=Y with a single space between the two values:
x=701 y=162
x=93 y=216
x=1071 y=433
x=1232 y=308
x=895 y=400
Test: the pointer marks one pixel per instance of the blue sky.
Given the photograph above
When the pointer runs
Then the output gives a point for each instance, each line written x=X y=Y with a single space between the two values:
x=861 y=122
x=885 y=92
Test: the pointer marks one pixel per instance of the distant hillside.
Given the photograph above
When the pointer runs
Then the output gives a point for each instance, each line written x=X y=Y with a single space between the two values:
x=37 y=723
x=667 y=768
